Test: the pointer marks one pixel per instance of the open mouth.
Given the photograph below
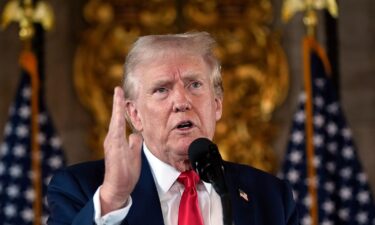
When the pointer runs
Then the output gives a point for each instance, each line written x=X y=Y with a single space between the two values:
x=185 y=125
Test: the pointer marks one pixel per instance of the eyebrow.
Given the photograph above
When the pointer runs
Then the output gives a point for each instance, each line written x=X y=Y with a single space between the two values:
x=159 y=83
x=162 y=82
x=191 y=76
x=168 y=82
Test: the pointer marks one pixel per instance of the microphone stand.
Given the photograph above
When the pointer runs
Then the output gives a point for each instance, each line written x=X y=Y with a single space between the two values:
x=207 y=162
x=226 y=203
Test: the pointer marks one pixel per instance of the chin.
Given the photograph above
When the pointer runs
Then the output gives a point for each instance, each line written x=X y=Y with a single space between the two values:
x=184 y=143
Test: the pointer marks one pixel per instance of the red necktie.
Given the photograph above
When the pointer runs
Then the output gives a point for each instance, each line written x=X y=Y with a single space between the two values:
x=189 y=212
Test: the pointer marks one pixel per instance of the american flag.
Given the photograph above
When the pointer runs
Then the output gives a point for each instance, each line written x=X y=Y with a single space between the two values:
x=16 y=187
x=343 y=192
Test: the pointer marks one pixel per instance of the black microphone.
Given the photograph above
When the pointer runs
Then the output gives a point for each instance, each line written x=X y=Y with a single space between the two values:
x=207 y=162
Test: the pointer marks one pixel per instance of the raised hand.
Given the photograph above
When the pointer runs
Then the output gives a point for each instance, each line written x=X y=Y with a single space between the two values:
x=122 y=159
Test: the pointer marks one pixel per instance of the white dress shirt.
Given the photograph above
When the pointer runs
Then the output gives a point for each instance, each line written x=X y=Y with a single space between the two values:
x=170 y=192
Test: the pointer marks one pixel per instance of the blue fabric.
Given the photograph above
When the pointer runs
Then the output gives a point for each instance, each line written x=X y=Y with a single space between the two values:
x=71 y=191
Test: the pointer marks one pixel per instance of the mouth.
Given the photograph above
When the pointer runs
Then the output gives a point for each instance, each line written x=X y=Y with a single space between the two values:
x=184 y=125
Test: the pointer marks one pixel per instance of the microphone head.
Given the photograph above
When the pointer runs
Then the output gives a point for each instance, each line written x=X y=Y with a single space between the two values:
x=198 y=149
x=204 y=157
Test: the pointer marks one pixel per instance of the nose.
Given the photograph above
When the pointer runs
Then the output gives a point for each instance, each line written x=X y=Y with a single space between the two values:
x=181 y=102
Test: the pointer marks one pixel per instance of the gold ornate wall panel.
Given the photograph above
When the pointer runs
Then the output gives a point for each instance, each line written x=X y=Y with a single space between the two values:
x=255 y=71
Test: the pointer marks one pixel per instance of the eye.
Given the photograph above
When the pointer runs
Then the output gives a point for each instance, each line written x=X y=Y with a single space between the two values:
x=196 y=84
x=160 y=90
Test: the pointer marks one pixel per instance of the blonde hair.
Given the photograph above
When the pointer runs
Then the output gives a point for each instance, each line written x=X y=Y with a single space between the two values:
x=151 y=46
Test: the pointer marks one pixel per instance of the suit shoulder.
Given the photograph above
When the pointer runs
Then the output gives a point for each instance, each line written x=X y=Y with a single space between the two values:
x=261 y=184
x=87 y=174
x=250 y=174
x=86 y=167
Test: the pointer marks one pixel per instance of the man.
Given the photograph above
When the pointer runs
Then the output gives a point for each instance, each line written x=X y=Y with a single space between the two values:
x=172 y=94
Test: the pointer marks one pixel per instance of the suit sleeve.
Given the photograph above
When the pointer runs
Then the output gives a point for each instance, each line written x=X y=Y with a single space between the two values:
x=68 y=201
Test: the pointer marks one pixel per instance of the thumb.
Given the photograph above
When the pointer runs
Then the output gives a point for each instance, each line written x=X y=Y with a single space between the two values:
x=135 y=141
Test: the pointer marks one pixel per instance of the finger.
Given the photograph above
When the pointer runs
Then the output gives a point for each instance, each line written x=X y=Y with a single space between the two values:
x=115 y=90
x=117 y=125
x=114 y=108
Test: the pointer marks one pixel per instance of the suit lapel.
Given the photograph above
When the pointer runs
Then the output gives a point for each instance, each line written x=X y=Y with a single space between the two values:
x=242 y=204
x=146 y=207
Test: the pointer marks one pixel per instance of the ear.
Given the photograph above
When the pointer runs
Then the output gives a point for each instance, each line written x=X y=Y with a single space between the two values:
x=219 y=107
x=132 y=115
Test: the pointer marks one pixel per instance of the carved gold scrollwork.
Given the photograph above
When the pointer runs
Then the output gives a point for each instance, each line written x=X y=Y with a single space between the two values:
x=255 y=71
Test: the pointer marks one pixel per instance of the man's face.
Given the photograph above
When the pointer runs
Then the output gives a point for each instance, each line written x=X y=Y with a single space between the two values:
x=174 y=104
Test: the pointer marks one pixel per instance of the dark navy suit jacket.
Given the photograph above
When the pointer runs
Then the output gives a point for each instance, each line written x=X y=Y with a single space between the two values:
x=70 y=196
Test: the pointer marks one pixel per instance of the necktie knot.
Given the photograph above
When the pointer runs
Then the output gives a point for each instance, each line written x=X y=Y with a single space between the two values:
x=189 y=179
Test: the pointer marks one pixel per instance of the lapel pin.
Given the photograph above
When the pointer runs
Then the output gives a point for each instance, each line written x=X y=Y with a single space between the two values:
x=243 y=195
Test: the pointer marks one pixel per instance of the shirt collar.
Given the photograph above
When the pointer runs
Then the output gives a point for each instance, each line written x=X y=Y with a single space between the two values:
x=164 y=174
